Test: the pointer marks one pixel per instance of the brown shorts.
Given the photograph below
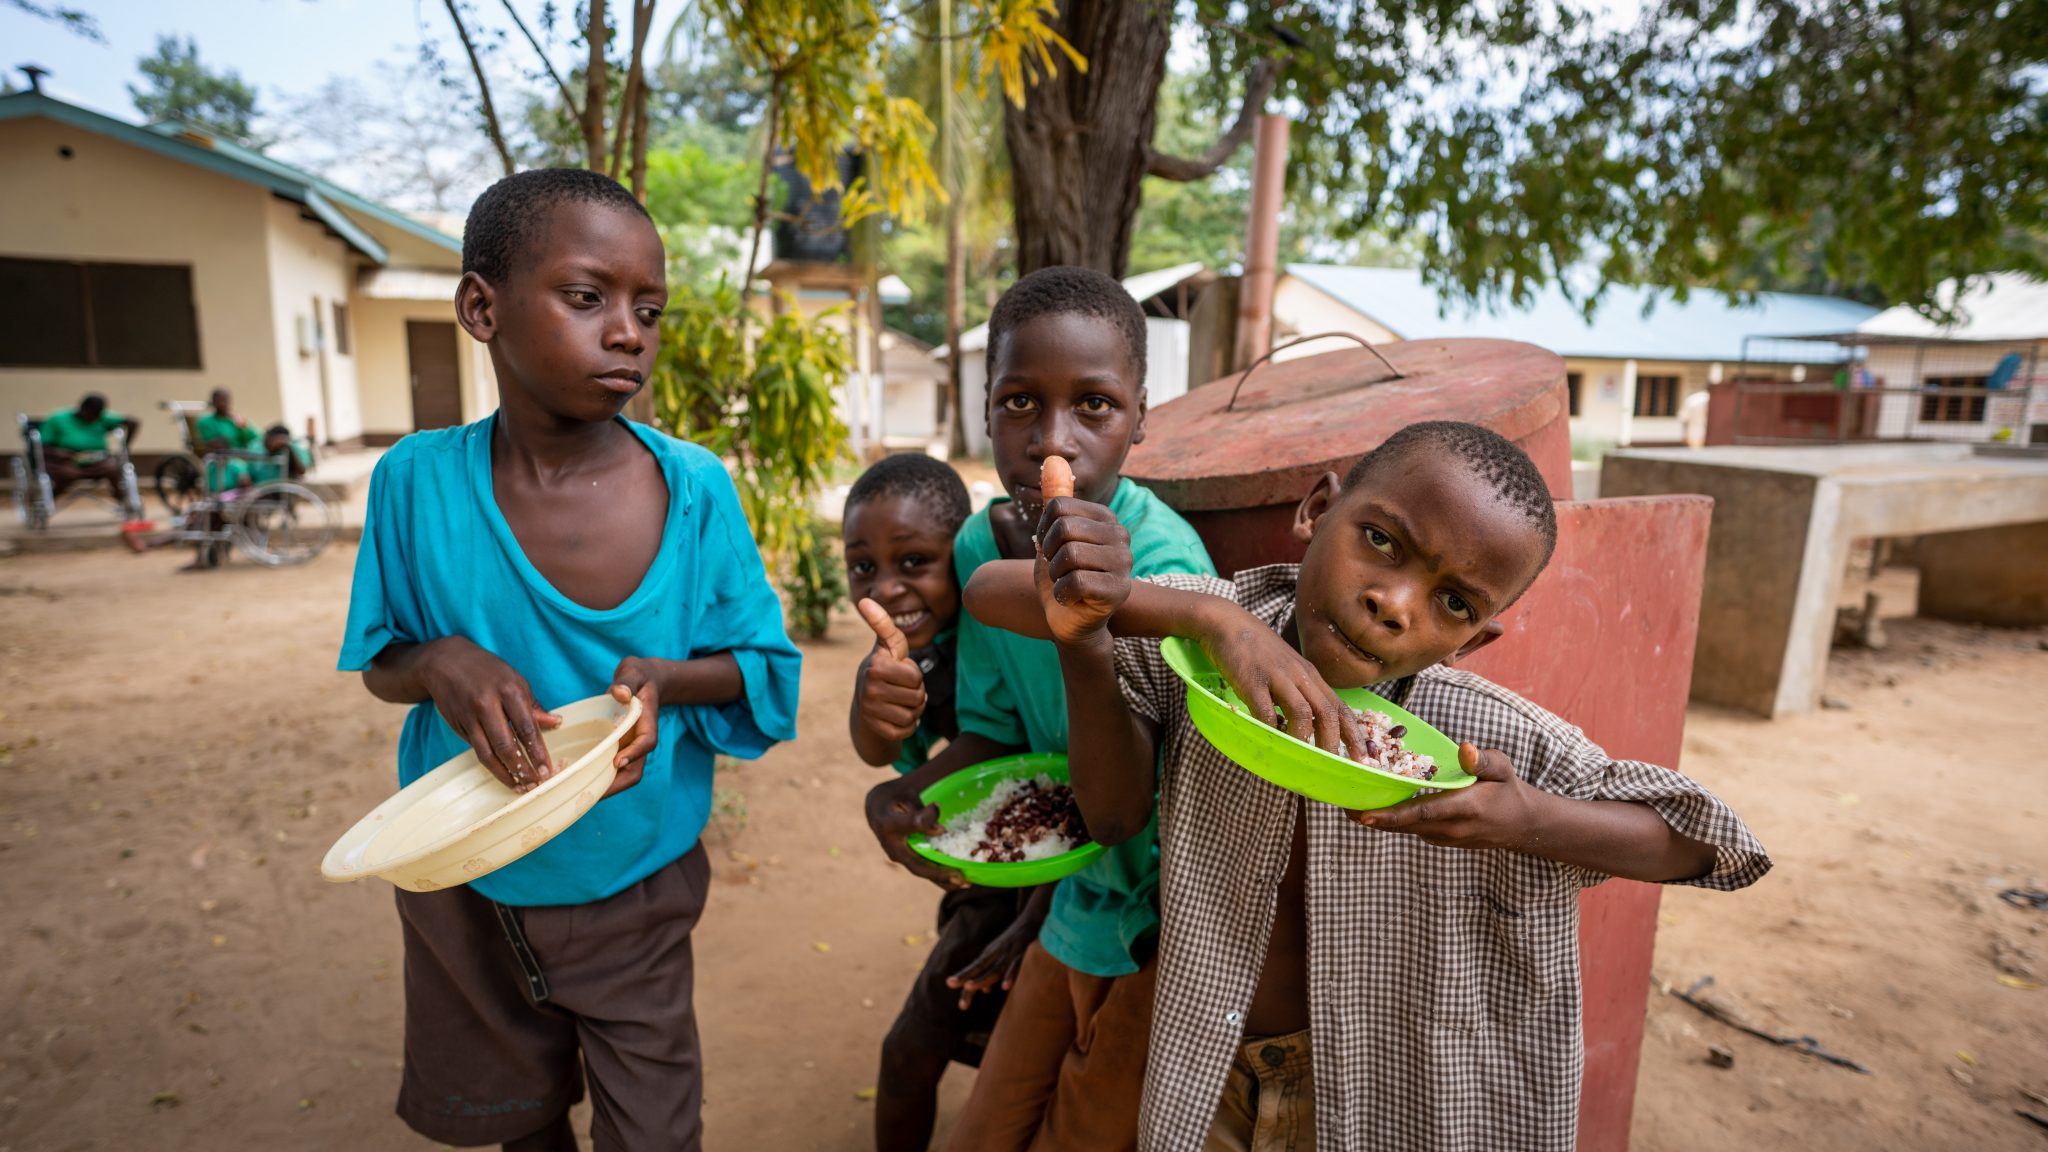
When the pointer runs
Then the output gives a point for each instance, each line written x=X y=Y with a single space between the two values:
x=1269 y=1098
x=1066 y=1065
x=488 y=1059
x=931 y=1020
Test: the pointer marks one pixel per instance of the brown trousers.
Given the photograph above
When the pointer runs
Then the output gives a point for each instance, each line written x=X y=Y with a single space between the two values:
x=1066 y=1065
x=1269 y=1099
x=488 y=1060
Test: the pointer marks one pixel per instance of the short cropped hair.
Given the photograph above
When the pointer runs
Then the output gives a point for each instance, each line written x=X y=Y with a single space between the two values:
x=502 y=224
x=92 y=401
x=932 y=483
x=1491 y=456
x=1067 y=290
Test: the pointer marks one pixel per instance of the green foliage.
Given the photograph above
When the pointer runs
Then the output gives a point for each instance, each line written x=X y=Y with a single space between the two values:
x=828 y=63
x=1204 y=220
x=690 y=185
x=1887 y=144
x=765 y=405
x=815 y=583
x=179 y=87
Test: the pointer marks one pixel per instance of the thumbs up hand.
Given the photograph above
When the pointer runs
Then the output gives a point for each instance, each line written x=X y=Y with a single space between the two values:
x=1083 y=567
x=889 y=700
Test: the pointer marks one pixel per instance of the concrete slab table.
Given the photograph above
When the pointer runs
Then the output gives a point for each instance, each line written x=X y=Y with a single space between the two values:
x=1784 y=518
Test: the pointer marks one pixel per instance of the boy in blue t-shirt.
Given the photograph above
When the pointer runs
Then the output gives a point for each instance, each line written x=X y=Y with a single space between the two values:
x=1065 y=1065
x=542 y=555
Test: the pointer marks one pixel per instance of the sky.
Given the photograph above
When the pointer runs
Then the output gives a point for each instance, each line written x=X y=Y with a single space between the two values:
x=285 y=48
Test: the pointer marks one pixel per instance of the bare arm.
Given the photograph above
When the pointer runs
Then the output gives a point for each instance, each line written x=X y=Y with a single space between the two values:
x=1503 y=811
x=1004 y=594
x=1111 y=750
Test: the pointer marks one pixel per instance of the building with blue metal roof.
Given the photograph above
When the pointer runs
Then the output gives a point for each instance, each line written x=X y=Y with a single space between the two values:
x=1630 y=367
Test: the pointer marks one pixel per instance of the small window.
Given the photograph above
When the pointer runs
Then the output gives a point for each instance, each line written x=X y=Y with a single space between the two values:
x=341 y=344
x=1656 y=395
x=71 y=314
x=1949 y=408
x=1572 y=380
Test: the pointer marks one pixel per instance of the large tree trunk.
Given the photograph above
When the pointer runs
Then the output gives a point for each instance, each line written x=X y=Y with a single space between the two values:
x=1080 y=145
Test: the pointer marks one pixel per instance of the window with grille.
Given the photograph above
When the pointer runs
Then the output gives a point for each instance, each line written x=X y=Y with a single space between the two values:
x=75 y=314
x=341 y=343
x=1937 y=408
x=1572 y=380
x=1656 y=395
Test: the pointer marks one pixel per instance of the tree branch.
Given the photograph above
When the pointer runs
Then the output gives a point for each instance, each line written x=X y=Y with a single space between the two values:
x=596 y=80
x=495 y=130
x=643 y=14
x=1257 y=86
x=561 y=85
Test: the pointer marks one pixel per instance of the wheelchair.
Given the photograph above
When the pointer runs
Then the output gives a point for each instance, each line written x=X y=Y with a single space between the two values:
x=276 y=522
x=35 y=495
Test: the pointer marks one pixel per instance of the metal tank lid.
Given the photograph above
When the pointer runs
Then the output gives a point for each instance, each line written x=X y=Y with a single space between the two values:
x=1293 y=420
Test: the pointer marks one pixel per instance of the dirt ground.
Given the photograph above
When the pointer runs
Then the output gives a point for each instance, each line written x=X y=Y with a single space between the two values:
x=175 y=757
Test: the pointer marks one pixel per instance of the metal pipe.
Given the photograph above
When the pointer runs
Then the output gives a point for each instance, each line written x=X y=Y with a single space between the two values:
x=1262 y=242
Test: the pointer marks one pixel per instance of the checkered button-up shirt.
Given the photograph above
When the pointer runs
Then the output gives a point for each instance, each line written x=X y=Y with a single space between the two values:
x=1444 y=983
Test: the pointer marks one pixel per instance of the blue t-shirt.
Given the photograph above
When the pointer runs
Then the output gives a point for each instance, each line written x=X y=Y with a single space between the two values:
x=438 y=559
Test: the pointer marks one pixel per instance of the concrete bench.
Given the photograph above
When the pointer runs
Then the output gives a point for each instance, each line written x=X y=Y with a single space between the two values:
x=1784 y=518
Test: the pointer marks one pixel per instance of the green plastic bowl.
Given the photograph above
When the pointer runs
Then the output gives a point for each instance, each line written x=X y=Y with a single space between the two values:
x=961 y=791
x=1296 y=765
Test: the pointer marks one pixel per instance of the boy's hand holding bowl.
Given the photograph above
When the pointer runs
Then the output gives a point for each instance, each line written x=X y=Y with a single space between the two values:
x=490 y=706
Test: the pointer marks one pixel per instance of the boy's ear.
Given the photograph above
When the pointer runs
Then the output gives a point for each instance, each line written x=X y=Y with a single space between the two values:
x=476 y=307
x=1488 y=632
x=1318 y=501
x=1138 y=435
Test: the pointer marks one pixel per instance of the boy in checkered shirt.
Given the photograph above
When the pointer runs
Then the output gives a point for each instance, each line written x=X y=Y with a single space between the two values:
x=1398 y=979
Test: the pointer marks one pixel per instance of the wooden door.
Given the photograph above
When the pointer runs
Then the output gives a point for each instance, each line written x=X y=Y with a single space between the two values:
x=430 y=350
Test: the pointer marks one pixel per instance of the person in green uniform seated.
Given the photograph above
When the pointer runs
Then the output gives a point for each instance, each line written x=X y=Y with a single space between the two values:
x=283 y=457
x=75 y=444
x=220 y=430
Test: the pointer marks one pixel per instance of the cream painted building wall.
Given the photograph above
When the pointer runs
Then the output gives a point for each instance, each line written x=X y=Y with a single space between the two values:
x=1904 y=366
x=110 y=201
x=310 y=270
x=384 y=371
x=1302 y=309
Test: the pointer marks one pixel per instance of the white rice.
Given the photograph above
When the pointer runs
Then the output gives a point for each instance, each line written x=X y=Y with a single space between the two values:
x=962 y=836
x=1393 y=756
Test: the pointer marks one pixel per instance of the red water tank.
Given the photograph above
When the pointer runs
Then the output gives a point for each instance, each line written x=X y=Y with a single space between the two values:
x=1235 y=458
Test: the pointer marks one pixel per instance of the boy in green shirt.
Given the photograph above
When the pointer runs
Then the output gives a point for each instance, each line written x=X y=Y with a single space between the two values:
x=75 y=443
x=898 y=529
x=222 y=431
x=1066 y=363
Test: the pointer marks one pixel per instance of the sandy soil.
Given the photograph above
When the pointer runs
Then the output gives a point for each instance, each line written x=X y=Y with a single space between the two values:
x=175 y=756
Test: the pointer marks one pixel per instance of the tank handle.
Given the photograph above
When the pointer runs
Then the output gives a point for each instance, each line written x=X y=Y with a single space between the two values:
x=1362 y=343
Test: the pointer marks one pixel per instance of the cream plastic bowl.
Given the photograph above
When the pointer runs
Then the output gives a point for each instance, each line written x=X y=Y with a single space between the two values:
x=457 y=822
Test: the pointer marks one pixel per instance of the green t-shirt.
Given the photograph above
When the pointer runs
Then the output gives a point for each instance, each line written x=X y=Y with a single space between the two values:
x=64 y=430
x=1010 y=690
x=918 y=748
x=212 y=427
x=269 y=468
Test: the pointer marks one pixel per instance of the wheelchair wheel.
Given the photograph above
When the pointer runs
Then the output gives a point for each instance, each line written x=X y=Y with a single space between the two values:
x=281 y=523
x=31 y=496
x=178 y=483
